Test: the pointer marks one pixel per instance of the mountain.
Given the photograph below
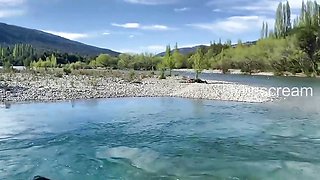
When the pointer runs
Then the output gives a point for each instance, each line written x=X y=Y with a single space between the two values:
x=189 y=50
x=10 y=35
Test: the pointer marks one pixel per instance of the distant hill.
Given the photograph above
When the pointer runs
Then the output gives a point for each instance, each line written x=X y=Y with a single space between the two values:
x=184 y=51
x=189 y=50
x=10 y=35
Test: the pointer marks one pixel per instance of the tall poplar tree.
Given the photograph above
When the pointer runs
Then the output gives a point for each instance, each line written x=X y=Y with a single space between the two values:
x=303 y=13
x=263 y=30
x=266 y=33
x=169 y=60
x=283 y=20
x=288 y=24
x=279 y=24
x=199 y=63
x=178 y=58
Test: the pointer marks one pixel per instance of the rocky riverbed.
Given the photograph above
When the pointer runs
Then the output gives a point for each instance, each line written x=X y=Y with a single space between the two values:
x=27 y=87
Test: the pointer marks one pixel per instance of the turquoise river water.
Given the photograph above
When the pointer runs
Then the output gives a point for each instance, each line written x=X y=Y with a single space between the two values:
x=165 y=138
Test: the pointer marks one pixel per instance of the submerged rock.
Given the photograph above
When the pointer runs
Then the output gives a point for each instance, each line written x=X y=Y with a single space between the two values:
x=40 y=178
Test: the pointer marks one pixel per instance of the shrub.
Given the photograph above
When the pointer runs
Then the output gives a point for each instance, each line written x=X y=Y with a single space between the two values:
x=67 y=71
x=132 y=75
x=162 y=75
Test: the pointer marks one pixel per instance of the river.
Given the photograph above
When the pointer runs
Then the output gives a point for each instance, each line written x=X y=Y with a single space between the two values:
x=165 y=138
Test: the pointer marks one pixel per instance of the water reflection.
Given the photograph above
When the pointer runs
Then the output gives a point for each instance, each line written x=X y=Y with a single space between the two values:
x=73 y=103
x=5 y=105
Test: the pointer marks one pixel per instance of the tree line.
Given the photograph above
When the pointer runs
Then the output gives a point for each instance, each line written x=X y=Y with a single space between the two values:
x=292 y=47
x=26 y=55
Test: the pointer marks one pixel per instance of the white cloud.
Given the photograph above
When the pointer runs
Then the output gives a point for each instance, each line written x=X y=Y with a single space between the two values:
x=11 y=8
x=131 y=36
x=296 y=4
x=235 y=24
x=68 y=35
x=127 y=25
x=265 y=5
x=106 y=33
x=217 y=10
x=181 y=9
x=244 y=18
x=255 y=7
x=5 y=3
x=151 y=2
x=156 y=27
x=4 y=13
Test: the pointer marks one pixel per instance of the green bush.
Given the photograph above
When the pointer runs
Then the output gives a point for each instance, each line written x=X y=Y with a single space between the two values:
x=162 y=75
x=67 y=71
x=132 y=75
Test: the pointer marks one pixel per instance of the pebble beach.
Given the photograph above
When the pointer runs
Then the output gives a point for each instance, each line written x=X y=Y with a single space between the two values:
x=26 y=87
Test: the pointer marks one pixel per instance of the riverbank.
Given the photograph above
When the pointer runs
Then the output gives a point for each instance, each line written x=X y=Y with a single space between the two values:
x=238 y=72
x=28 y=87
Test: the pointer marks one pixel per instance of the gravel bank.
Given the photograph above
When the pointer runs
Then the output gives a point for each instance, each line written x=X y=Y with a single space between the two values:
x=29 y=88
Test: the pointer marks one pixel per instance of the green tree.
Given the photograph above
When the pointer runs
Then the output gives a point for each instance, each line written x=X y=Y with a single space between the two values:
x=27 y=62
x=7 y=66
x=303 y=13
x=105 y=60
x=199 y=63
x=125 y=61
x=53 y=61
x=162 y=68
x=228 y=43
x=279 y=23
x=283 y=20
x=178 y=58
x=262 y=36
x=93 y=64
x=309 y=42
x=287 y=13
x=169 y=60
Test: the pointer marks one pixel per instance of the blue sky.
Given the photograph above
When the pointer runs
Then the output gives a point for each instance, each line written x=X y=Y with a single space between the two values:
x=144 y=25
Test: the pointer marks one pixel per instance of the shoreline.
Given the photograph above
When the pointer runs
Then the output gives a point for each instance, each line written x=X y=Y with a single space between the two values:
x=238 y=72
x=9 y=104
x=25 y=87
